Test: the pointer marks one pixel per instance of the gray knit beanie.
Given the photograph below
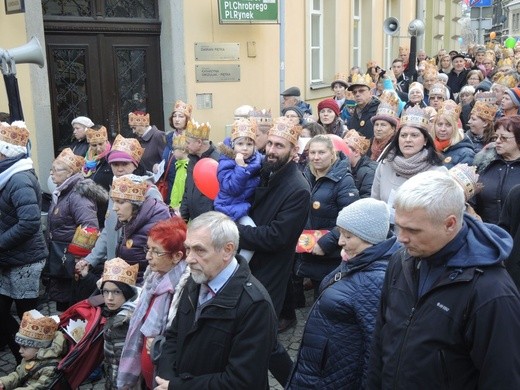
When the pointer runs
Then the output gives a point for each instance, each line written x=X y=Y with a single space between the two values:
x=367 y=218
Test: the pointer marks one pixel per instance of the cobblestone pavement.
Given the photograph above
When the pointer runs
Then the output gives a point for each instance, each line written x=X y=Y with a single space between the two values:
x=290 y=339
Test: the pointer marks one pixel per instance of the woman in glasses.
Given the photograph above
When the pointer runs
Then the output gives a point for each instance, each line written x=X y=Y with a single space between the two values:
x=499 y=169
x=164 y=279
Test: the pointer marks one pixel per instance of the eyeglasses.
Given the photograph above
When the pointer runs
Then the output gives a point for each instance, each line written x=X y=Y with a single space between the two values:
x=114 y=293
x=502 y=138
x=154 y=252
x=436 y=98
x=411 y=135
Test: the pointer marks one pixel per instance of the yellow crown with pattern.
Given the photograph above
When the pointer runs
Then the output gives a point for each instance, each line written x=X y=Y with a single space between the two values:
x=185 y=108
x=467 y=177
x=261 y=117
x=36 y=330
x=179 y=142
x=138 y=118
x=361 y=79
x=128 y=188
x=357 y=142
x=70 y=160
x=508 y=80
x=84 y=238
x=14 y=134
x=118 y=270
x=450 y=109
x=130 y=146
x=96 y=136
x=484 y=110
x=438 y=89
x=243 y=127
x=415 y=117
x=196 y=130
x=284 y=128
x=342 y=78
x=430 y=71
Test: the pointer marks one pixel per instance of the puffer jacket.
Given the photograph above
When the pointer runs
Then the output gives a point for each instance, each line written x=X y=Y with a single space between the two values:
x=38 y=373
x=336 y=340
x=361 y=121
x=21 y=237
x=463 y=152
x=363 y=173
x=237 y=184
x=329 y=194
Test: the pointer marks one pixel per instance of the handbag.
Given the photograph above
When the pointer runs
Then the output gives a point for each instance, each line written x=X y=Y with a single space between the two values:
x=162 y=183
x=60 y=264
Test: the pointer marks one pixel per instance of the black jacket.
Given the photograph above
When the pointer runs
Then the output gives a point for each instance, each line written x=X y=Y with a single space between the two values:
x=510 y=220
x=363 y=173
x=361 y=122
x=229 y=345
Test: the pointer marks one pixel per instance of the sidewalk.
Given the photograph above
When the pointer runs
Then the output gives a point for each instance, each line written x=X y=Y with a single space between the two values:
x=290 y=339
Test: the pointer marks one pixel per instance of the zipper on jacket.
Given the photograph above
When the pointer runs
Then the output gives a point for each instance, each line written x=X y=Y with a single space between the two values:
x=444 y=369
x=408 y=322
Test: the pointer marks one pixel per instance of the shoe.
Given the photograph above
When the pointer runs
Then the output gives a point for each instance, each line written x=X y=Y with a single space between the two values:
x=285 y=324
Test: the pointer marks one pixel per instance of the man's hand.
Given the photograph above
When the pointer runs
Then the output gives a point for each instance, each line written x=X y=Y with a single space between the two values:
x=162 y=384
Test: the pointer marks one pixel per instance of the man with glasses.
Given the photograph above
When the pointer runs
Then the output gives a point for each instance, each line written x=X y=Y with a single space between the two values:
x=366 y=108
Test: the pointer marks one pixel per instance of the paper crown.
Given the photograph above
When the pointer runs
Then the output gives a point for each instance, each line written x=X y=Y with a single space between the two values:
x=450 y=109
x=487 y=97
x=466 y=175
x=387 y=109
x=243 y=127
x=261 y=117
x=179 y=142
x=341 y=78
x=196 y=130
x=361 y=79
x=128 y=188
x=83 y=241
x=14 y=134
x=430 y=71
x=36 y=330
x=130 y=146
x=138 y=118
x=284 y=128
x=185 y=108
x=484 y=110
x=118 y=270
x=438 y=89
x=507 y=80
x=70 y=160
x=357 y=142
x=96 y=136
x=415 y=117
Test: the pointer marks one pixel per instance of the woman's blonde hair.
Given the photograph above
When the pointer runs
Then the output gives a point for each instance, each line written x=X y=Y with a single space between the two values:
x=327 y=141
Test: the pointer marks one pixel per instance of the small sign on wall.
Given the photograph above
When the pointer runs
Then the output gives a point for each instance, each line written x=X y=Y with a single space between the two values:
x=217 y=73
x=14 y=6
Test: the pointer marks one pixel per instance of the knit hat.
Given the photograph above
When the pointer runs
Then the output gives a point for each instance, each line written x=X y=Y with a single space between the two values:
x=296 y=109
x=36 y=330
x=126 y=150
x=82 y=120
x=283 y=127
x=415 y=86
x=127 y=290
x=329 y=103
x=13 y=138
x=367 y=218
x=514 y=93
x=242 y=111
x=83 y=241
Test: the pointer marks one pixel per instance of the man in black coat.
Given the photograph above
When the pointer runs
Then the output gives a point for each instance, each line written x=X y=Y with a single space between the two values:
x=366 y=108
x=225 y=327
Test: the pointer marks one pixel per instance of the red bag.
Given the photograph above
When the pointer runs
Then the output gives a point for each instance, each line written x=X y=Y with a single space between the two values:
x=162 y=183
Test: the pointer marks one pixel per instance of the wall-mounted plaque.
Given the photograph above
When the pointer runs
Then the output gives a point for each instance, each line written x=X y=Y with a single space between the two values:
x=217 y=73
x=217 y=51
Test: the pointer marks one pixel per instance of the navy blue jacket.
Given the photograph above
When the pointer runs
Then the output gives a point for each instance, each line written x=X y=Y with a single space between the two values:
x=361 y=122
x=363 y=173
x=462 y=152
x=336 y=341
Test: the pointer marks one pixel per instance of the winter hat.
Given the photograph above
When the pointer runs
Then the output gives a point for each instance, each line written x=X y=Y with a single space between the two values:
x=296 y=109
x=36 y=330
x=13 y=138
x=514 y=93
x=367 y=218
x=329 y=103
x=415 y=86
x=127 y=290
x=82 y=120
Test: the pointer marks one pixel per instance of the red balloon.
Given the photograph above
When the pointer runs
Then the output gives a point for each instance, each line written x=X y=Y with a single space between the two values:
x=205 y=177
x=339 y=144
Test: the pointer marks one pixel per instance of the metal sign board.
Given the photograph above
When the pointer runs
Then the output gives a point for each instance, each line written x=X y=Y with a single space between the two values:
x=480 y=3
x=481 y=12
x=248 y=11
x=214 y=73
x=217 y=51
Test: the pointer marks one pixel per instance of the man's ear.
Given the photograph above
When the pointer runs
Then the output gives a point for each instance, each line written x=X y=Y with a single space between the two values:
x=229 y=250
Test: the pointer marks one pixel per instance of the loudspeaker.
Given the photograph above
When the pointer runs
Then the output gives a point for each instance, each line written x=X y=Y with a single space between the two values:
x=416 y=28
x=391 y=26
x=31 y=53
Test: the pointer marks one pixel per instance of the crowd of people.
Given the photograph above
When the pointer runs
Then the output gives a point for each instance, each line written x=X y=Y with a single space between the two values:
x=396 y=204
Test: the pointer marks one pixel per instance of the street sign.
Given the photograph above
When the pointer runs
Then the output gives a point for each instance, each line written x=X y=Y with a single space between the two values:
x=248 y=11
x=480 y=3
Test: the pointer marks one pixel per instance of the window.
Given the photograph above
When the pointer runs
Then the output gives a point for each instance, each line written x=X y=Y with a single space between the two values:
x=356 y=33
x=316 y=35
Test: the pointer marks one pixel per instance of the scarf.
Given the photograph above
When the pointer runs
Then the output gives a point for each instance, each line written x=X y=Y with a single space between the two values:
x=10 y=166
x=408 y=167
x=441 y=145
x=378 y=146
x=92 y=161
x=162 y=292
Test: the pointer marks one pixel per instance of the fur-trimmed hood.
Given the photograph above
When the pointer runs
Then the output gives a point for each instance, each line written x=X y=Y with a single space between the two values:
x=89 y=189
x=485 y=157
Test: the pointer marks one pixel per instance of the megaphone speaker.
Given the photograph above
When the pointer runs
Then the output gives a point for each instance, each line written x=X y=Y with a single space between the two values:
x=391 y=26
x=416 y=28
x=31 y=52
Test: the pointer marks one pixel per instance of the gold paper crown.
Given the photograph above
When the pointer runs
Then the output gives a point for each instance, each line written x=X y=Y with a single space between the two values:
x=73 y=162
x=85 y=237
x=387 y=109
x=95 y=136
x=196 y=130
x=361 y=79
x=508 y=80
x=243 y=127
x=484 y=110
x=284 y=128
x=36 y=330
x=179 y=142
x=14 y=134
x=340 y=77
x=450 y=109
x=467 y=178
x=118 y=270
x=130 y=146
x=261 y=117
x=138 y=119
x=185 y=108
x=505 y=62
x=416 y=117
x=128 y=188
x=438 y=89
x=356 y=141
x=430 y=71
x=487 y=97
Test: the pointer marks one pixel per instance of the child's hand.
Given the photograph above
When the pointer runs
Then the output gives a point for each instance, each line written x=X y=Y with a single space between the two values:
x=239 y=159
x=1 y=385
